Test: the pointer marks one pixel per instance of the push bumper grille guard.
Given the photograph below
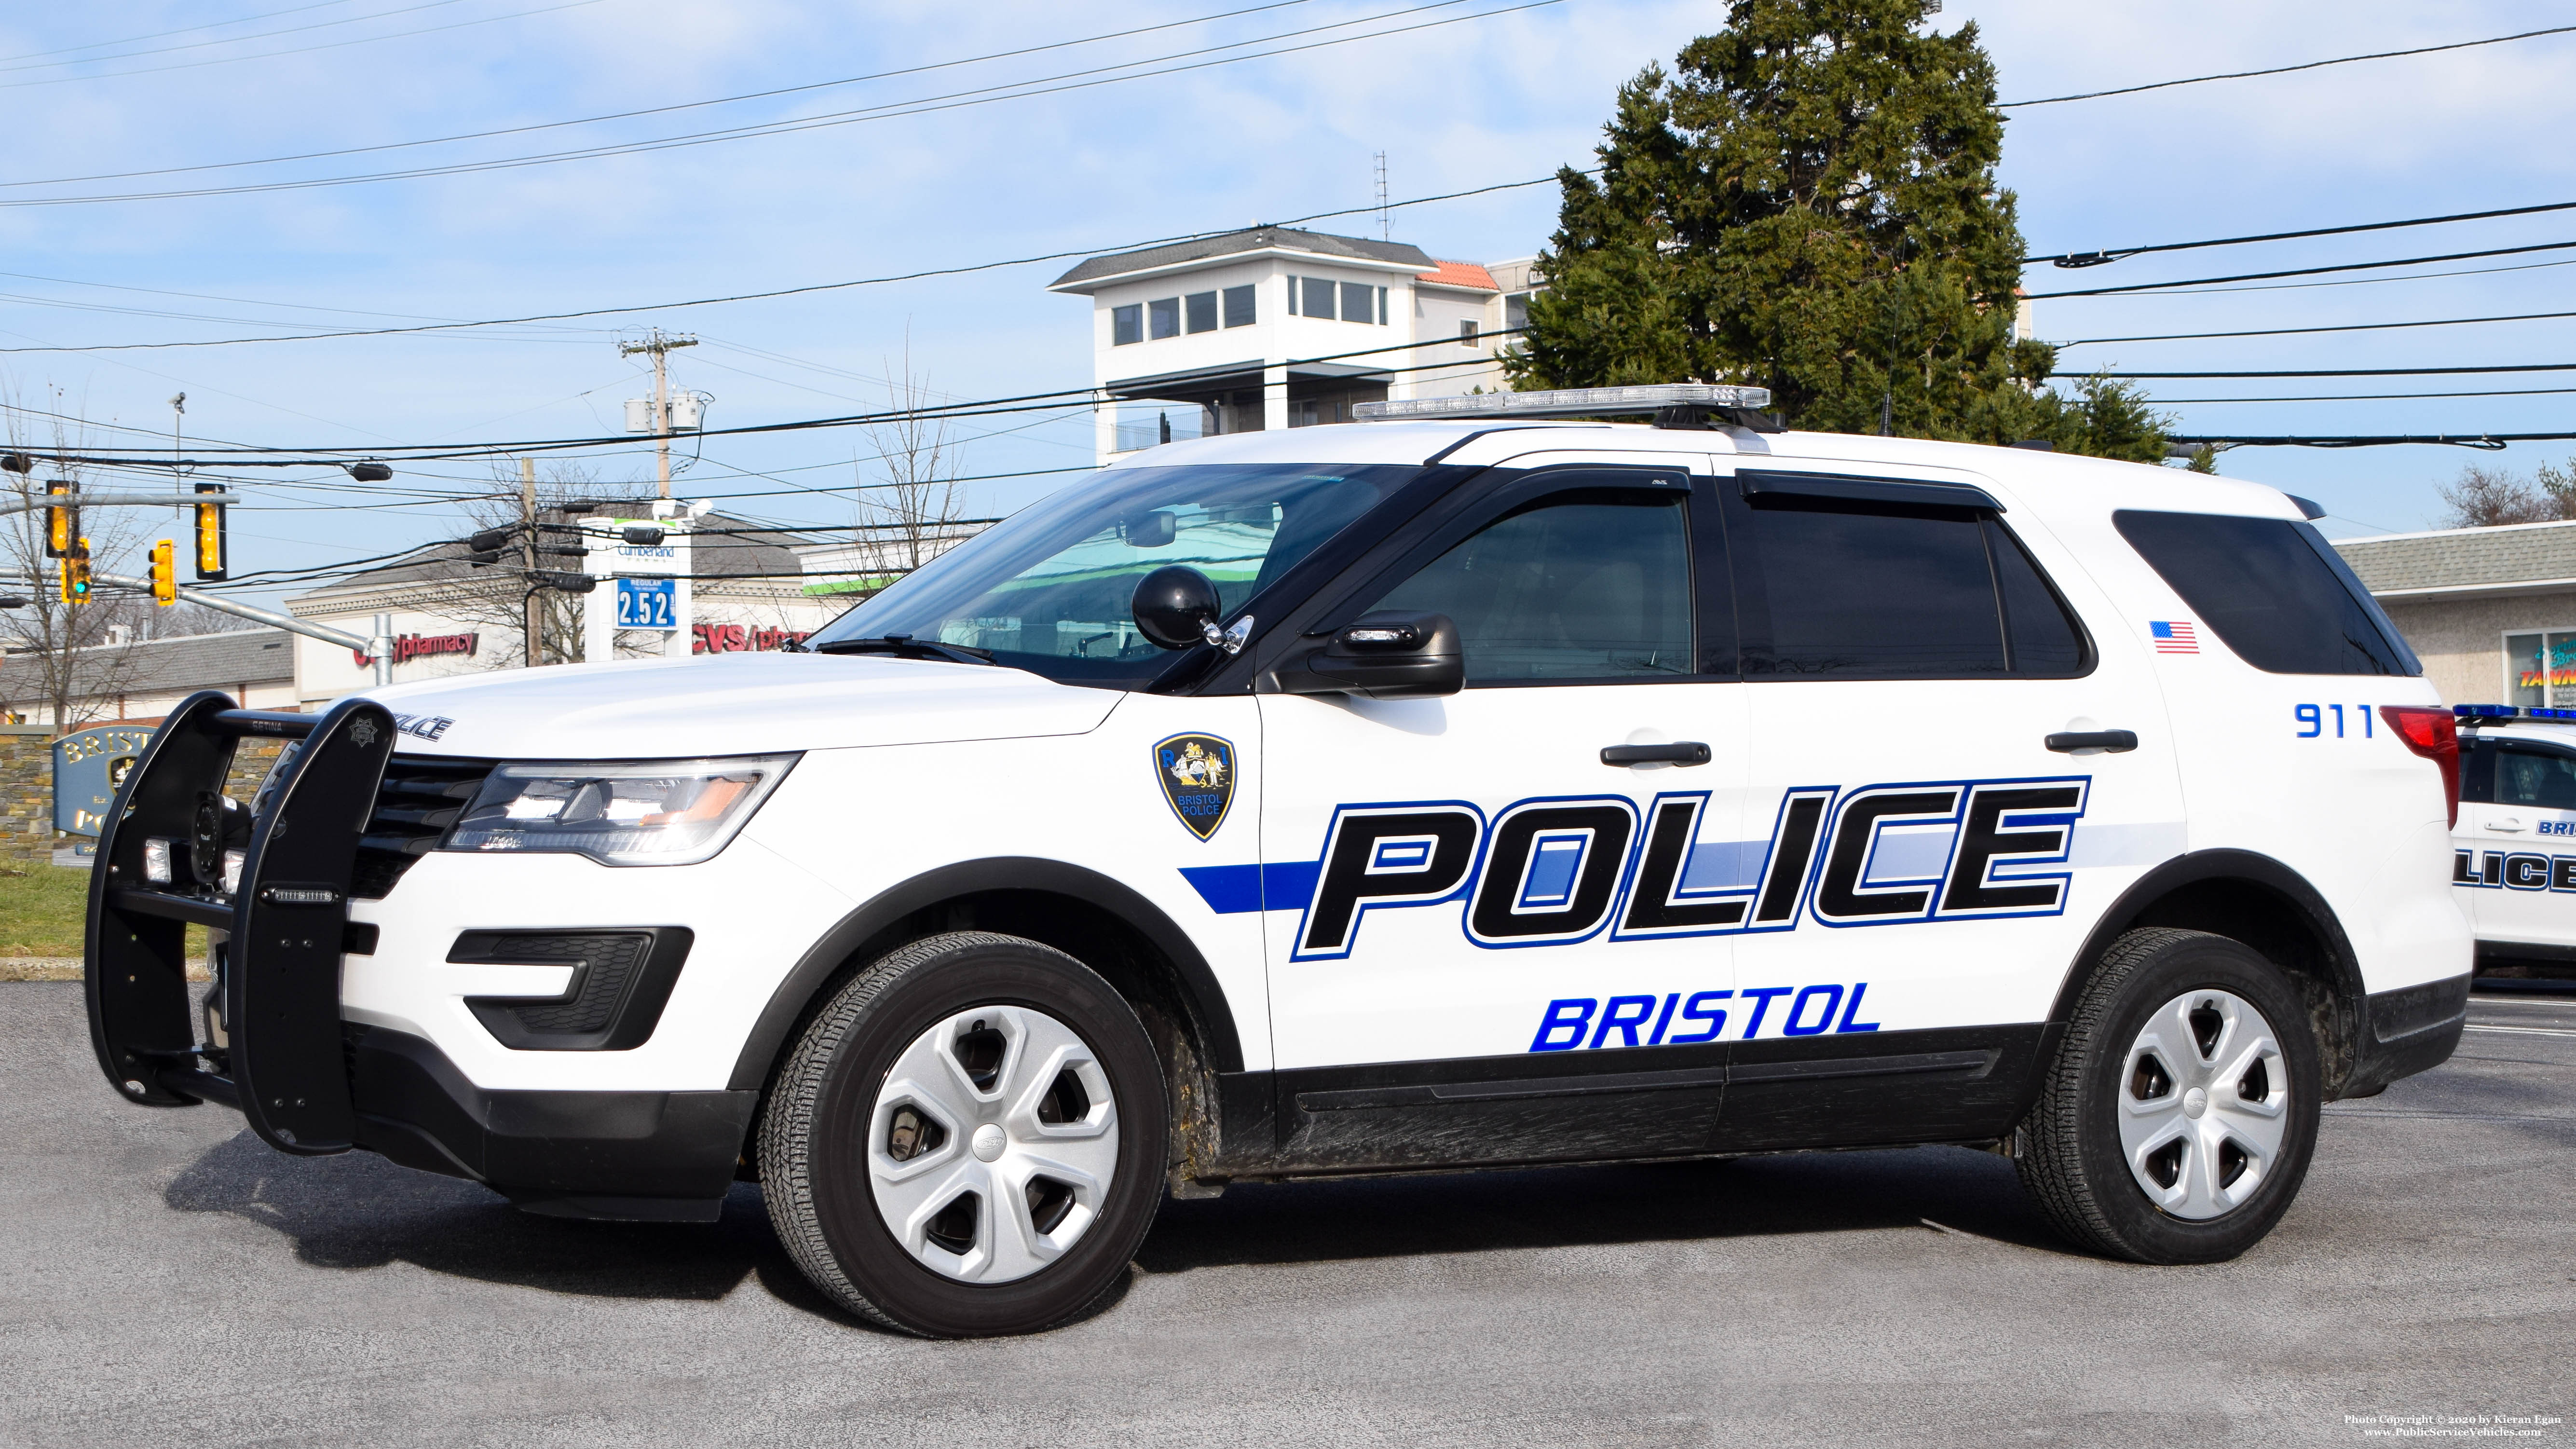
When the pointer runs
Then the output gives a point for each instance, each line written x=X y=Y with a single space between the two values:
x=281 y=1063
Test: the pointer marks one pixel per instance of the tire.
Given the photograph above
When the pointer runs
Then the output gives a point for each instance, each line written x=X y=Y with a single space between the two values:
x=2189 y=1067
x=967 y=1140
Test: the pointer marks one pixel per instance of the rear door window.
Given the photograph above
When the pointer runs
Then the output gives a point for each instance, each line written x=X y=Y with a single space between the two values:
x=1873 y=588
x=2274 y=591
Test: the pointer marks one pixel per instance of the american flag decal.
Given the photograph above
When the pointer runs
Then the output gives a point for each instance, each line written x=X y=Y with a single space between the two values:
x=2176 y=637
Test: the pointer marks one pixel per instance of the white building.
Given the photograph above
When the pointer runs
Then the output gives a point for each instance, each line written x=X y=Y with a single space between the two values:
x=1276 y=328
x=754 y=588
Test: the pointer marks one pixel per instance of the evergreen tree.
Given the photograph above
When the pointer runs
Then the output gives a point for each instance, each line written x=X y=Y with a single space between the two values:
x=1809 y=204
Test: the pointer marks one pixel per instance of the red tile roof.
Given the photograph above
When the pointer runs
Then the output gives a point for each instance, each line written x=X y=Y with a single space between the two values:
x=1461 y=274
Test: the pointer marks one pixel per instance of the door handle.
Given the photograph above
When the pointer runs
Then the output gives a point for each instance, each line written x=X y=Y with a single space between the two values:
x=2505 y=822
x=1681 y=752
x=2114 y=741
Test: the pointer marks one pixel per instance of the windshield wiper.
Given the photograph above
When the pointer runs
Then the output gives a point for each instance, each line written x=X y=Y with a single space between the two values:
x=904 y=646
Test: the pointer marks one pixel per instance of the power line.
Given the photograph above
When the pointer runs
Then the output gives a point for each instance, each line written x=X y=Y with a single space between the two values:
x=664 y=110
x=2486 y=442
x=2181 y=291
x=304 y=49
x=2113 y=254
x=986 y=95
x=2309 y=271
x=2284 y=69
x=407 y=453
x=2367 y=396
x=10 y=63
x=2300 y=331
x=187 y=30
x=2355 y=371
x=805 y=290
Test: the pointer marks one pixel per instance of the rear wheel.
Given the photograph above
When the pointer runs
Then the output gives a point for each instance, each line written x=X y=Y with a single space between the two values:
x=967 y=1140
x=2178 y=1118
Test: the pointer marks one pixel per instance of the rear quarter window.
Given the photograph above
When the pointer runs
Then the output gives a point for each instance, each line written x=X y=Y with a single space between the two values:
x=2272 y=590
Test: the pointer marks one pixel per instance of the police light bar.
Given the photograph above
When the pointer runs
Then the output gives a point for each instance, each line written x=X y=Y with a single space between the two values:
x=1571 y=402
x=2472 y=714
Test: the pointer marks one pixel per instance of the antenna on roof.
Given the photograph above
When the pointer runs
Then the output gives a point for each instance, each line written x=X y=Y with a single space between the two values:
x=1385 y=226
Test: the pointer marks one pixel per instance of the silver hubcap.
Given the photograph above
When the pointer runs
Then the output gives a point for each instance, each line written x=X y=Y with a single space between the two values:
x=993 y=1143
x=2204 y=1103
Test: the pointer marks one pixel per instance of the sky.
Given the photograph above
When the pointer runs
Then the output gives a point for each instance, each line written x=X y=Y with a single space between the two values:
x=1458 y=96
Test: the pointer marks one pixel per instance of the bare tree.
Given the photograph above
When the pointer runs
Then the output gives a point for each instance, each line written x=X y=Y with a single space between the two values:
x=909 y=516
x=2483 y=497
x=76 y=659
x=495 y=597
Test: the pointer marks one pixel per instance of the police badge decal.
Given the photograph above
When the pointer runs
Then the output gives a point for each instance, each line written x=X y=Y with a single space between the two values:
x=1197 y=774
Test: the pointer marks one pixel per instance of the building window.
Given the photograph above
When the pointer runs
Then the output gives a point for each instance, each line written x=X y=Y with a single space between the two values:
x=1467 y=332
x=1314 y=297
x=1238 y=306
x=1200 y=308
x=1163 y=318
x=1357 y=304
x=1126 y=324
x=1516 y=310
x=2540 y=669
x=1148 y=422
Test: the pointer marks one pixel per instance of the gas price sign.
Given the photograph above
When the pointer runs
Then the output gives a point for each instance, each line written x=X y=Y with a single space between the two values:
x=647 y=604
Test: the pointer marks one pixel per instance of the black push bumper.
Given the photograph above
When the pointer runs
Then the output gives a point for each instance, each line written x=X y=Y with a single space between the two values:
x=2409 y=1030
x=281 y=1055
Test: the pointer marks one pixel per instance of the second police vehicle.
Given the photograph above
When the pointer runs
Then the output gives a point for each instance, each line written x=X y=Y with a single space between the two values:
x=1478 y=786
x=2514 y=849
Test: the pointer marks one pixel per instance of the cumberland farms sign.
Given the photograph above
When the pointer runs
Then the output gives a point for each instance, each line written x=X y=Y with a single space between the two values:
x=421 y=646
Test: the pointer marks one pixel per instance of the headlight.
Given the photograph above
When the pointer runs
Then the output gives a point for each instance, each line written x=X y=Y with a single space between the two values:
x=647 y=812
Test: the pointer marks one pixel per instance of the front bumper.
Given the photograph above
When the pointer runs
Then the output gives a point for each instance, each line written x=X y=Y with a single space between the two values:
x=563 y=1104
x=643 y=1156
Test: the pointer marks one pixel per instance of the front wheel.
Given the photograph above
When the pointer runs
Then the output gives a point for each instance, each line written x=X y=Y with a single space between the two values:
x=2178 y=1118
x=967 y=1140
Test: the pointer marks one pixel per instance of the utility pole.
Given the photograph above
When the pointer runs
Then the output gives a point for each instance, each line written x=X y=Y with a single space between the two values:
x=532 y=607
x=660 y=343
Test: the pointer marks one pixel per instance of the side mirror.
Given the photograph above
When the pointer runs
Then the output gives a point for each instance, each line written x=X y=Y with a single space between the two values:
x=1385 y=655
x=1175 y=606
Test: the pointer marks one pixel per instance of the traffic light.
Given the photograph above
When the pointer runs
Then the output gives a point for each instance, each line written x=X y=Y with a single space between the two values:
x=76 y=573
x=165 y=572
x=211 y=549
x=62 y=518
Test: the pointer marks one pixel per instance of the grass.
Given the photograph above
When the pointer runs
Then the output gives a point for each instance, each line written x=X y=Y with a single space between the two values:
x=41 y=911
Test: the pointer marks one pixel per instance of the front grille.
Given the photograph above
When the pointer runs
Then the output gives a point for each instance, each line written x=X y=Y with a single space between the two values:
x=415 y=807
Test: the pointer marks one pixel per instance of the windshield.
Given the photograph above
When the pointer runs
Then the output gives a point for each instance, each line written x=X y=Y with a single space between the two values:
x=1048 y=589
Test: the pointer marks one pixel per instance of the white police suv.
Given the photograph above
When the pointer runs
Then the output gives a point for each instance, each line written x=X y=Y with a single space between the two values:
x=2514 y=844
x=1480 y=787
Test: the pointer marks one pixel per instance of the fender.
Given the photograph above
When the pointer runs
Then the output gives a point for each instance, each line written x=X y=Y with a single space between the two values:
x=1201 y=994
x=2250 y=867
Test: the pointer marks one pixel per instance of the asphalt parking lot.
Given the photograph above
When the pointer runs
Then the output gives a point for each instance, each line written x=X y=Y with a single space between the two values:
x=167 y=1279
